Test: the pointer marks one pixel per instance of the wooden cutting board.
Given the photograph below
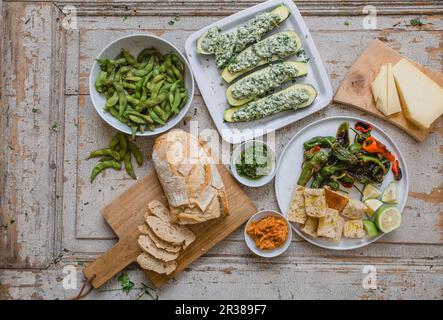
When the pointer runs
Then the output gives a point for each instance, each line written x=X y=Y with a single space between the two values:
x=355 y=90
x=126 y=213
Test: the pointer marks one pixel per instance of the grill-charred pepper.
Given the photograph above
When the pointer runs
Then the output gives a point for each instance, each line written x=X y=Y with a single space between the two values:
x=323 y=142
x=308 y=154
x=396 y=170
x=372 y=145
x=343 y=134
x=363 y=127
x=311 y=167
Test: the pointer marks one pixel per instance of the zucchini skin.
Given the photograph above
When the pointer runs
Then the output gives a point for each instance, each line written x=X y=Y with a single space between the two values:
x=302 y=68
x=309 y=89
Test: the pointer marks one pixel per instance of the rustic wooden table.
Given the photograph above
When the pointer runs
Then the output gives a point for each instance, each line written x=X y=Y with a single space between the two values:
x=50 y=217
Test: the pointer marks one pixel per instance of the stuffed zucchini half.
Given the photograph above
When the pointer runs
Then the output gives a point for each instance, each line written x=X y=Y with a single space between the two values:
x=294 y=97
x=275 y=47
x=260 y=82
x=249 y=33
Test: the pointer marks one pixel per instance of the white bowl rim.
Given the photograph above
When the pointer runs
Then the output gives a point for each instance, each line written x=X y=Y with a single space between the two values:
x=245 y=181
x=271 y=253
x=174 y=121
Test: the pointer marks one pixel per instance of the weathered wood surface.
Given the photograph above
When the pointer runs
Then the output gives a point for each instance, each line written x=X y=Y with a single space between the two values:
x=50 y=213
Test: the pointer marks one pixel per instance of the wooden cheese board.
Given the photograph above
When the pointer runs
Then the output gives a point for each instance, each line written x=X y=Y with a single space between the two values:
x=355 y=90
x=125 y=213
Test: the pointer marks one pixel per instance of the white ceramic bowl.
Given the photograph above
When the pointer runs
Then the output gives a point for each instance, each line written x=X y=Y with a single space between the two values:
x=134 y=44
x=250 y=182
x=267 y=253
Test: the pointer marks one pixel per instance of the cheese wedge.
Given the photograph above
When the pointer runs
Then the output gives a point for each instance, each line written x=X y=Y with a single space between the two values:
x=380 y=90
x=420 y=97
x=394 y=105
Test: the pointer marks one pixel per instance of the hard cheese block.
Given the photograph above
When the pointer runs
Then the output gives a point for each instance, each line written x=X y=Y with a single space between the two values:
x=379 y=90
x=384 y=91
x=393 y=100
x=421 y=98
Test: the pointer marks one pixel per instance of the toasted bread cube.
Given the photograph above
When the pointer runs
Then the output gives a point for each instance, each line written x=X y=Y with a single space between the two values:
x=327 y=225
x=340 y=225
x=354 y=229
x=310 y=226
x=355 y=209
x=335 y=200
x=297 y=211
x=315 y=202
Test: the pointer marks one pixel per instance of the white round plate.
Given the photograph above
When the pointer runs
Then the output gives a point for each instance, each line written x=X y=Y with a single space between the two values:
x=134 y=44
x=267 y=253
x=289 y=169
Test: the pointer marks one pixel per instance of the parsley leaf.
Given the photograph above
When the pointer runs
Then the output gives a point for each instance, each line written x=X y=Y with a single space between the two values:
x=125 y=283
x=416 y=22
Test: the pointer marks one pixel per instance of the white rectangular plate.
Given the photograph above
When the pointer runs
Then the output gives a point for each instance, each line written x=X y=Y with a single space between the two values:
x=213 y=88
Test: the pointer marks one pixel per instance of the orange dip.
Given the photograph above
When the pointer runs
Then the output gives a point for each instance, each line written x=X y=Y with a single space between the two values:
x=268 y=233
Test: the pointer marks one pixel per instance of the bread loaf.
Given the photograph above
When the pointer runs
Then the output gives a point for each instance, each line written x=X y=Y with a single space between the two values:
x=146 y=243
x=189 y=177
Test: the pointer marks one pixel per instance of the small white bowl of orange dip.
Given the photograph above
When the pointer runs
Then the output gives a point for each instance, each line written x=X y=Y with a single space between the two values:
x=268 y=234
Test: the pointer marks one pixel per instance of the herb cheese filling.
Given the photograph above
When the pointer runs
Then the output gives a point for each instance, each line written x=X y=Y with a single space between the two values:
x=209 y=42
x=255 y=28
x=224 y=45
x=259 y=84
x=280 y=101
x=275 y=47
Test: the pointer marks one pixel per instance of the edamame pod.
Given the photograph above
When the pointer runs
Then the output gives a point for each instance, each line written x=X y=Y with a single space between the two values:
x=128 y=165
x=104 y=152
x=99 y=167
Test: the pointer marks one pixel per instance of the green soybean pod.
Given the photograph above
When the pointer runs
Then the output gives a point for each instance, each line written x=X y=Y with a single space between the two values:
x=99 y=167
x=111 y=101
x=145 y=53
x=176 y=102
x=155 y=117
x=134 y=129
x=138 y=88
x=178 y=63
x=177 y=73
x=116 y=115
x=136 y=152
x=129 y=58
x=150 y=127
x=136 y=119
x=115 y=140
x=159 y=111
x=123 y=145
x=168 y=112
x=104 y=152
x=132 y=100
x=146 y=117
x=128 y=165
x=183 y=102
x=133 y=78
x=98 y=83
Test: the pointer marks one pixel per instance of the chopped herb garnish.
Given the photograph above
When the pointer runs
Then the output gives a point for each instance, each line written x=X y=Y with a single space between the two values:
x=34 y=110
x=346 y=23
x=125 y=283
x=416 y=22
x=54 y=127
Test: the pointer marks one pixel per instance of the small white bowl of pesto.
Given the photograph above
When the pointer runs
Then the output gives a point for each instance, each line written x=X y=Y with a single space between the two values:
x=253 y=163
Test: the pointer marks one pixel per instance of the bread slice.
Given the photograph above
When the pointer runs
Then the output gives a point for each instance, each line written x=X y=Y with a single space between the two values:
x=297 y=211
x=169 y=232
x=146 y=243
x=144 y=229
x=148 y=262
x=157 y=209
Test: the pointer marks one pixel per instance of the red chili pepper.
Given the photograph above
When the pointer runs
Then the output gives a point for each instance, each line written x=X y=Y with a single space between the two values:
x=396 y=170
x=363 y=127
x=372 y=145
x=315 y=149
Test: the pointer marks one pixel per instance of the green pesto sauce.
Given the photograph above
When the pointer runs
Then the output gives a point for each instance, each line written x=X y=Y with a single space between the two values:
x=272 y=48
x=253 y=163
x=262 y=82
x=278 y=102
